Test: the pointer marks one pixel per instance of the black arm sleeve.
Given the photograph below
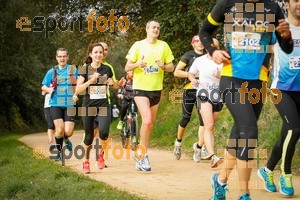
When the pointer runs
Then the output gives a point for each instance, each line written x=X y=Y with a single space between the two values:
x=205 y=33
x=210 y=24
x=286 y=44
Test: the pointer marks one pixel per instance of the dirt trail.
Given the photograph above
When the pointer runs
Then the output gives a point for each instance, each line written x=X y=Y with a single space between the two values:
x=169 y=178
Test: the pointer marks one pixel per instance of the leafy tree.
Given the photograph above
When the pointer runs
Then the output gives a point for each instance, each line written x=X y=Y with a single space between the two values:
x=21 y=68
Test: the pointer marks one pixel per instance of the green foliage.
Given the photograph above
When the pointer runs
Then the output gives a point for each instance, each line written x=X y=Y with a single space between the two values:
x=21 y=71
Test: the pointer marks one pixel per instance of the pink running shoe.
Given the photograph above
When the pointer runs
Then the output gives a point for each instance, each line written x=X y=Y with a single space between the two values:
x=100 y=162
x=86 y=167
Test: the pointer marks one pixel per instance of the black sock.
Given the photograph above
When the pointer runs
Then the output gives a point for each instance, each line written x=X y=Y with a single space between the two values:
x=65 y=138
x=198 y=147
x=59 y=143
x=179 y=140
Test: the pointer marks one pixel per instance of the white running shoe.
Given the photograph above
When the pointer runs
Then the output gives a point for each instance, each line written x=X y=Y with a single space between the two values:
x=177 y=150
x=197 y=153
x=144 y=164
x=215 y=161
x=204 y=154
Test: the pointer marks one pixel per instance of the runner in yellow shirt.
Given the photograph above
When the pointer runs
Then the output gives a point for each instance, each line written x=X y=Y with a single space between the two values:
x=148 y=59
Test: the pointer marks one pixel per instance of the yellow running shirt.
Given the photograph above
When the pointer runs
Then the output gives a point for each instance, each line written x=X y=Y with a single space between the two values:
x=149 y=78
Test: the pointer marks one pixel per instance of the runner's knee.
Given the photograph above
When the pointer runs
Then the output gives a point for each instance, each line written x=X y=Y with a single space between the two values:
x=59 y=132
x=103 y=133
x=243 y=147
x=88 y=139
x=184 y=121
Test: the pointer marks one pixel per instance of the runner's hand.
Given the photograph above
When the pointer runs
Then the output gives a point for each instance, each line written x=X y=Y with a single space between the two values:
x=94 y=77
x=284 y=28
x=120 y=96
x=141 y=63
x=75 y=98
x=50 y=90
x=220 y=56
x=121 y=82
x=160 y=64
x=195 y=82
x=110 y=82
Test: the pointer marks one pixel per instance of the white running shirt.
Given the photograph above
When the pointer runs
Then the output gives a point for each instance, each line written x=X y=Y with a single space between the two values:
x=207 y=81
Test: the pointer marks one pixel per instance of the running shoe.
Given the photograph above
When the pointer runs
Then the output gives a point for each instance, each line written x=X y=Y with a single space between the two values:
x=204 y=154
x=52 y=146
x=219 y=190
x=268 y=178
x=58 y=157
x=120 y=125
x=286 y=184
x=197 y=153
x=144 y=164
x=100 y=161
x=245 y=196
x=86 y=167
x=177 y=150
x=69 y=144
x=215 y=161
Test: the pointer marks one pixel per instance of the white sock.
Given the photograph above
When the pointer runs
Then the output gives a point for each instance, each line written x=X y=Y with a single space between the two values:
x=222 y=184
x=267 y=170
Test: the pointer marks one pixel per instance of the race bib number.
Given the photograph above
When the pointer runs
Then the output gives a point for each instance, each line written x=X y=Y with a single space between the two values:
x=244 y=40
x=98 y=92
x=295 y=62
x=212 y=86
x=151 y=69
x=213 y=92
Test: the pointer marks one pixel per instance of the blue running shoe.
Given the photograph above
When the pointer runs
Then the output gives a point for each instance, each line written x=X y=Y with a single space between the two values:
x=69 y=144
x=268 y=178
x=286 y=185
x=143 y=165
x=219 y=190
x=245 y=196
x=58 y=157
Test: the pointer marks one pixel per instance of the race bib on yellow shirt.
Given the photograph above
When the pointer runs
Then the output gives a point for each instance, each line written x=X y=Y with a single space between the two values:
x=98 y=92
x=151 y=69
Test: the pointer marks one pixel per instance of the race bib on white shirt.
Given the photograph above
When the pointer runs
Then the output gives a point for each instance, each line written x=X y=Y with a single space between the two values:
x=245 y=40
x=98 y=92
x=213 y=90
x=295 y=62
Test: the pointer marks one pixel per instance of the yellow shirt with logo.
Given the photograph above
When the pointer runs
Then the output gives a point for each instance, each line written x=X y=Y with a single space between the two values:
x=151 y=77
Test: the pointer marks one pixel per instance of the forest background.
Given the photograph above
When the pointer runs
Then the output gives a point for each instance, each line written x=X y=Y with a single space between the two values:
x=27 y=55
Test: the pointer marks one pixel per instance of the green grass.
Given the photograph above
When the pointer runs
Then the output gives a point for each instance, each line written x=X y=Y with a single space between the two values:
x=22 y=176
